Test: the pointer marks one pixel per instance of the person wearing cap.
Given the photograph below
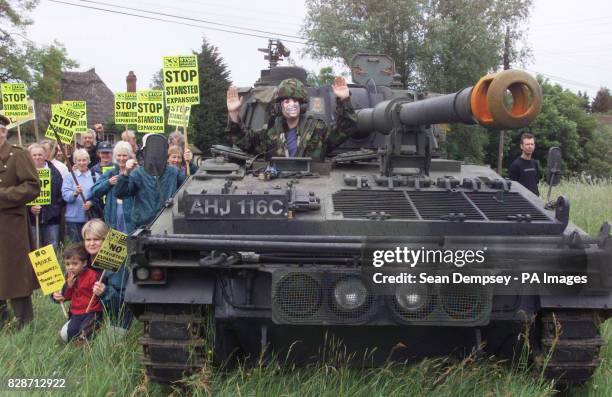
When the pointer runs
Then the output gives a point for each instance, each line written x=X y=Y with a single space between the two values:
x=105 y=154
x=18 y=186
x=292 y=133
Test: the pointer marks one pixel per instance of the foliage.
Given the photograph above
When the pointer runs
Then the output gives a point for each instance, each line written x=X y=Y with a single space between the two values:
x=47 y=64
x=324 y=77
x=602 y=103
x=563 y=122
x=39 y=67
x=441 y=45
x=13 y=20
x=209 y=118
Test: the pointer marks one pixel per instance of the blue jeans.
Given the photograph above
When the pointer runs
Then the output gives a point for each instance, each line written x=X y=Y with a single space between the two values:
x=73 y=231
x=49 y=234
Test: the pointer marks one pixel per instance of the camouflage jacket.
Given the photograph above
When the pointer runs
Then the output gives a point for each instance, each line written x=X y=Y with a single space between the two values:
x=316 y=138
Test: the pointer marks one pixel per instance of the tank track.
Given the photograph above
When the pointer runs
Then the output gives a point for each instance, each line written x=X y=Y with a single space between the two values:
x=575 y=342
x=174 y=343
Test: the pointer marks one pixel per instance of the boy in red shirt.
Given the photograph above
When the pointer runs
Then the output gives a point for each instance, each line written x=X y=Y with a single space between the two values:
x=79 y=289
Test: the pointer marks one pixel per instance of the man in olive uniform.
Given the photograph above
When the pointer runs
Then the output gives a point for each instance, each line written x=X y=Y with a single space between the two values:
x=293 y=134
x=18 y=186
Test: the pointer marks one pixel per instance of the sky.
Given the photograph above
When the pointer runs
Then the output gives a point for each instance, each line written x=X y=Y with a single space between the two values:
x=571 y=41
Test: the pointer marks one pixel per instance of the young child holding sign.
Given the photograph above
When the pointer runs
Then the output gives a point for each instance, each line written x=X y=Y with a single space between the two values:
x=79 y=290
x=111 y=289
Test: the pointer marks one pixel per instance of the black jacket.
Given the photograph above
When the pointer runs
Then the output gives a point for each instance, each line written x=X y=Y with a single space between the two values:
x=51 y=214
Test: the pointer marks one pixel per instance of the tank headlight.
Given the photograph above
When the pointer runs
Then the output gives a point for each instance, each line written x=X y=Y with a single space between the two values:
x=142 y=273
x=411 y=297
x=350 y=293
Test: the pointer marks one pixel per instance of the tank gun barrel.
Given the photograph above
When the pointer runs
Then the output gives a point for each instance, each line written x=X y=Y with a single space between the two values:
x=486 y=103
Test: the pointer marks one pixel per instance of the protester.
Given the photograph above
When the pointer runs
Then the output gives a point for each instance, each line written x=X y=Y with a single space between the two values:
x=149 y=192
x=178 y=139
x=524 y=169
x=111 y=289
x=50 y=151
x=117 y=212
x=130 y=137
x=105 y=155
x=88 y=142
x=18 y=186
x=78 y=289
x=175 y=157
x=49 y=216
x=76 y=209
x=99 y=130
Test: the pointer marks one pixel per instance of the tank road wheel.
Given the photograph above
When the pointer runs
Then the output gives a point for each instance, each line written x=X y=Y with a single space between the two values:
x=570 y=344
x=175 y=340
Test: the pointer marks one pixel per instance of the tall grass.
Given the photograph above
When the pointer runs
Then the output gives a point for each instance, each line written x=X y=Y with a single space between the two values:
x=110 y=366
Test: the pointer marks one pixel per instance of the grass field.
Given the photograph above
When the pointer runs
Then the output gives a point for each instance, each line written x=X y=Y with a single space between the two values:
x=111 y=367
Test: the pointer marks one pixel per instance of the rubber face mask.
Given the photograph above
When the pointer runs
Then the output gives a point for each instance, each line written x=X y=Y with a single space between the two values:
x=290 y=108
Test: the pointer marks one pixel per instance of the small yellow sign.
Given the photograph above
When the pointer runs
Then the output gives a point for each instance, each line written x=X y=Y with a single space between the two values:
x=65 y=121
x=179 y=115
x=14 y=100
x=126 y=108
x=79 y=106
x=113 y=252
x=44 y=198
x=106 y=168
x=47 y=269
x=150 y=111
x=181 y=80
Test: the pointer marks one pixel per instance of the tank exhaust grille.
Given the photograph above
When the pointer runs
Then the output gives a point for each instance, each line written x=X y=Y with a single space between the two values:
x=503 y=206
x=438 y=205
x=362 y=203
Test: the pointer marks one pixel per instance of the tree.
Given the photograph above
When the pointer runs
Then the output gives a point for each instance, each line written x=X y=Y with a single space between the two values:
x=563 y=122
x=602 y=103
x=13 y=21
x=47 y=64
x=443 y=45
x=324 y=77
x=209 y=119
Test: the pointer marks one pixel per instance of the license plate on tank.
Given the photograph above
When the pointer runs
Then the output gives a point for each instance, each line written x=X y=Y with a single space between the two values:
x=262 y=206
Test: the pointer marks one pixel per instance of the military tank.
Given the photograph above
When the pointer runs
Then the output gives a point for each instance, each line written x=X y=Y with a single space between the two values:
x=244 y=262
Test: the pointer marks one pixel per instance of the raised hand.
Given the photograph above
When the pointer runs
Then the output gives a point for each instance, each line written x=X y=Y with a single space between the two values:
x=340 y=88
x=234 y=102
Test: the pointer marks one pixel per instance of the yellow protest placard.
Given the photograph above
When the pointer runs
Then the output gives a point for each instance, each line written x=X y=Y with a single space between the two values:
x=16 y=121
x=14 y=99
x=79 y=106
x=106 y=168
x=150 y=111
x=181 y=80
x=113 y=252
x=44 y=198
x=179 y=115
x=126 y=108
x=47 y=269
x=65 y=121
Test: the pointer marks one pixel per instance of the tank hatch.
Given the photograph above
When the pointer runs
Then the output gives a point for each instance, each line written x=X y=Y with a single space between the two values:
x=376 y=67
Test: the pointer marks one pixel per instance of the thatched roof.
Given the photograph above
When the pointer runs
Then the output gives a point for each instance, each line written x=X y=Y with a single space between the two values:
x=88 y=86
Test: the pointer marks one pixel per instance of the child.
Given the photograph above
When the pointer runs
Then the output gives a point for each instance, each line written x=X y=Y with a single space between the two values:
x=111 y=289
x=80 y=280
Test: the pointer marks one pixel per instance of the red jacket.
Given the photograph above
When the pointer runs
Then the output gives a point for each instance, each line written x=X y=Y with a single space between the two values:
x=81 y=292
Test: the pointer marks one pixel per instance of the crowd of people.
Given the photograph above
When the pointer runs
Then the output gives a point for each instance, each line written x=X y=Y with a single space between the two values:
x=95 y=186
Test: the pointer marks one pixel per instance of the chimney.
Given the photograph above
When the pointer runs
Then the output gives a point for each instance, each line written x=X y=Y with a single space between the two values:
x=131 y=81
